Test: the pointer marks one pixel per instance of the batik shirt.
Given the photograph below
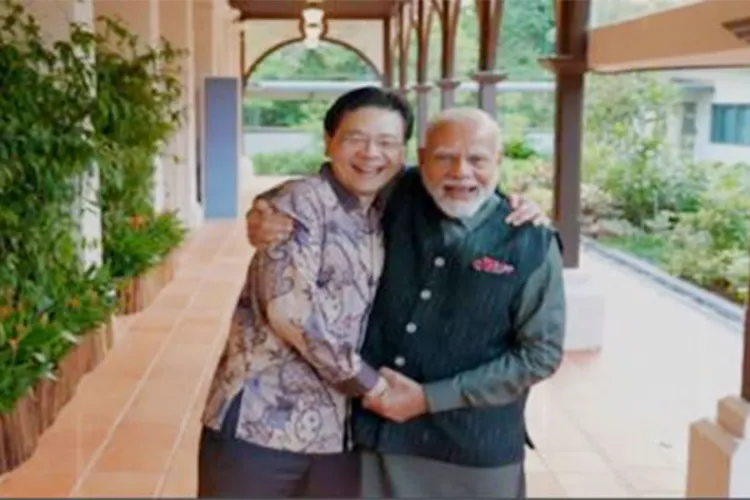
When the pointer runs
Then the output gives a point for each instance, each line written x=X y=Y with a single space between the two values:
x=292 y=349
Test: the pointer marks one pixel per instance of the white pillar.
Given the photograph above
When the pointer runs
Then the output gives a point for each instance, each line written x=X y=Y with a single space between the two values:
x=205 y=42
x=90 y=213
x=719 y=453
x=54 y=18
x=177 y=25
x=228 y=41
x=142 y=19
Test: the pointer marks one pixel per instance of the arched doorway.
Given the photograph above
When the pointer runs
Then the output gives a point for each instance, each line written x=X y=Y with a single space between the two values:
x=287 y=91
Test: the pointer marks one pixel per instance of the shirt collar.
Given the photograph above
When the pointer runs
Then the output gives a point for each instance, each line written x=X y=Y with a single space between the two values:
x=346 y=199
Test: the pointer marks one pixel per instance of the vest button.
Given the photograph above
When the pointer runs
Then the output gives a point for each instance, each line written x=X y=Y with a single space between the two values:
x=411 y=328
x=439 y=262
x=425 y=294
x=399 y=361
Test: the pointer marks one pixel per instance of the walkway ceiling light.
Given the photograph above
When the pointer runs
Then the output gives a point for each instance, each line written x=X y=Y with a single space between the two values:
x=312 y=36
x=312 y=24
x=313 y=15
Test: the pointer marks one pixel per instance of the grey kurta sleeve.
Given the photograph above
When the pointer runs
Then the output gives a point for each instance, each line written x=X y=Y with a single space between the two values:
x=540 y=323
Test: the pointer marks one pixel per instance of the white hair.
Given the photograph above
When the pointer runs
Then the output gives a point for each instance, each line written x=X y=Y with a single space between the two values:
x=463 y=115
x=484 y=125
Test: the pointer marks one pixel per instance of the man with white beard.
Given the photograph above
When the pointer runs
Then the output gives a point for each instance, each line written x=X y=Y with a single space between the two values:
x=469 y=315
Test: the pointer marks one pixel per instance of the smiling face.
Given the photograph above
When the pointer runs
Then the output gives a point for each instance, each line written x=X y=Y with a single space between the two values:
x=459 y=164
x=367 y=150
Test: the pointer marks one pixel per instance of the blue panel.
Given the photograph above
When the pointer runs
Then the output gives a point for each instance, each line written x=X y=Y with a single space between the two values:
x=221 y=109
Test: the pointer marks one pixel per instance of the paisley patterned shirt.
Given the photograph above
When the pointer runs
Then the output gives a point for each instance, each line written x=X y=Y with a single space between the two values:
x=292 y=350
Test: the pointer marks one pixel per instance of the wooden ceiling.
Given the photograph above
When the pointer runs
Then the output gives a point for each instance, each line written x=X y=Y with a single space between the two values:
x=334 y=9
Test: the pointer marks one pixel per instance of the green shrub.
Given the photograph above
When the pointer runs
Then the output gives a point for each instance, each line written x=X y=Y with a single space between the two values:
x=710 y=244
x=139 y=92
x=47 y=145
x=518 y=150
x=296 y=163
x=141 y=243
x=47 y=299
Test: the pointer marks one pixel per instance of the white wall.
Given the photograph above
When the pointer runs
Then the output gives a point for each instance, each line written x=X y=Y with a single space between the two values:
x=730 y=87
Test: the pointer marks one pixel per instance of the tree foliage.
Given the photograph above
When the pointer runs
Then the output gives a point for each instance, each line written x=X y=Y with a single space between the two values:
x=65 y=107
x=524 y=39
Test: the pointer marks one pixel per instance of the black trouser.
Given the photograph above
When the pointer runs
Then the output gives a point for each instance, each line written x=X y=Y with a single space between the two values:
x=232 y=468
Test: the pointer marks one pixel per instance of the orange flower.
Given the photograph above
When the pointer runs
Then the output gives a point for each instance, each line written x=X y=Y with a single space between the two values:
x=13 y=344
x=137 y=221
x=74 y=303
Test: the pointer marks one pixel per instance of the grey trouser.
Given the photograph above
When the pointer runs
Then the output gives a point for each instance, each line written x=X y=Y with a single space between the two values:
x=402 y=476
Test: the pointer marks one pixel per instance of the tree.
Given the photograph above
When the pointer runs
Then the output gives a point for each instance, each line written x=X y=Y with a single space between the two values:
x=524 y=39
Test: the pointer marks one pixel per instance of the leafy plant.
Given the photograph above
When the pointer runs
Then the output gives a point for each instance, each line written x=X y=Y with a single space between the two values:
x=84 y=100
x=47 y=298
x=294 y=163
x=139 y=96
x=711 y=244
x=518 y=150
x=141 y=243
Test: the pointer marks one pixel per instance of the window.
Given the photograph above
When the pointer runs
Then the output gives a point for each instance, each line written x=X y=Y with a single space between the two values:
x=730 y=124
x=689 y=126
x=689 y=118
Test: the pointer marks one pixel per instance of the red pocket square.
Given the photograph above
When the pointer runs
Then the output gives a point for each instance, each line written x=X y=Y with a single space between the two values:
x=490 y=265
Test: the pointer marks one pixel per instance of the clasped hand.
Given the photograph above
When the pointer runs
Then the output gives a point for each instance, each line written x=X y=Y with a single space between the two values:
x=403 y=400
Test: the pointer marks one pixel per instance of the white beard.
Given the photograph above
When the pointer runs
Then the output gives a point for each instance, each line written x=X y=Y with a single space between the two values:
x=458 y=209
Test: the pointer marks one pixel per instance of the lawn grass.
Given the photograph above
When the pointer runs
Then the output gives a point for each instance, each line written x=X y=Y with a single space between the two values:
x=647 y=247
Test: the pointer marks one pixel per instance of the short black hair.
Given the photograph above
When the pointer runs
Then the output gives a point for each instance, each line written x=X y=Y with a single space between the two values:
x=368 y=97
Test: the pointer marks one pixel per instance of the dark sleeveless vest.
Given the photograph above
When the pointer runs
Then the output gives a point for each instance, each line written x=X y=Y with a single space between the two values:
x=435 y=315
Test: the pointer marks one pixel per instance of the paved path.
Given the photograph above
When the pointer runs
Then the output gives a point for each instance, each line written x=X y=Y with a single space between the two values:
x=613 y=424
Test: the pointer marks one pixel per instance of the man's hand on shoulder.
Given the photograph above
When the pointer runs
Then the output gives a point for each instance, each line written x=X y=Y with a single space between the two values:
x=265 y=226
x=526 y=211
x=403 y=400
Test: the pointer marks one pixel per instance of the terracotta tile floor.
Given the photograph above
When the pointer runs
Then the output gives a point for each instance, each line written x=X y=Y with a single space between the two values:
x=613 y=424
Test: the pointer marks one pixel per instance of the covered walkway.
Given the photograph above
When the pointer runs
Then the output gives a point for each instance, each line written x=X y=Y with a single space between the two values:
x=612 y=424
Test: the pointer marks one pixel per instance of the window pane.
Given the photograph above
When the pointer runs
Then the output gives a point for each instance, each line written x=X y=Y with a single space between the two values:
x=744 y=126
x=714 y=124
x=730 y=125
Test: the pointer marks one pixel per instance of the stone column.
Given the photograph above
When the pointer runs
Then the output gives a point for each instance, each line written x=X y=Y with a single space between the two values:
x=450 y=11
x=177 y=26
x=586 y=302
x=447 y=92
x=423 y=107
x=143 y=20
x=90 y=213
x=54 y=18
x=719 y=453
x=487 y=91
x=228 y=30
x=205 y=41
x=490 y=19
x=387 y=55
